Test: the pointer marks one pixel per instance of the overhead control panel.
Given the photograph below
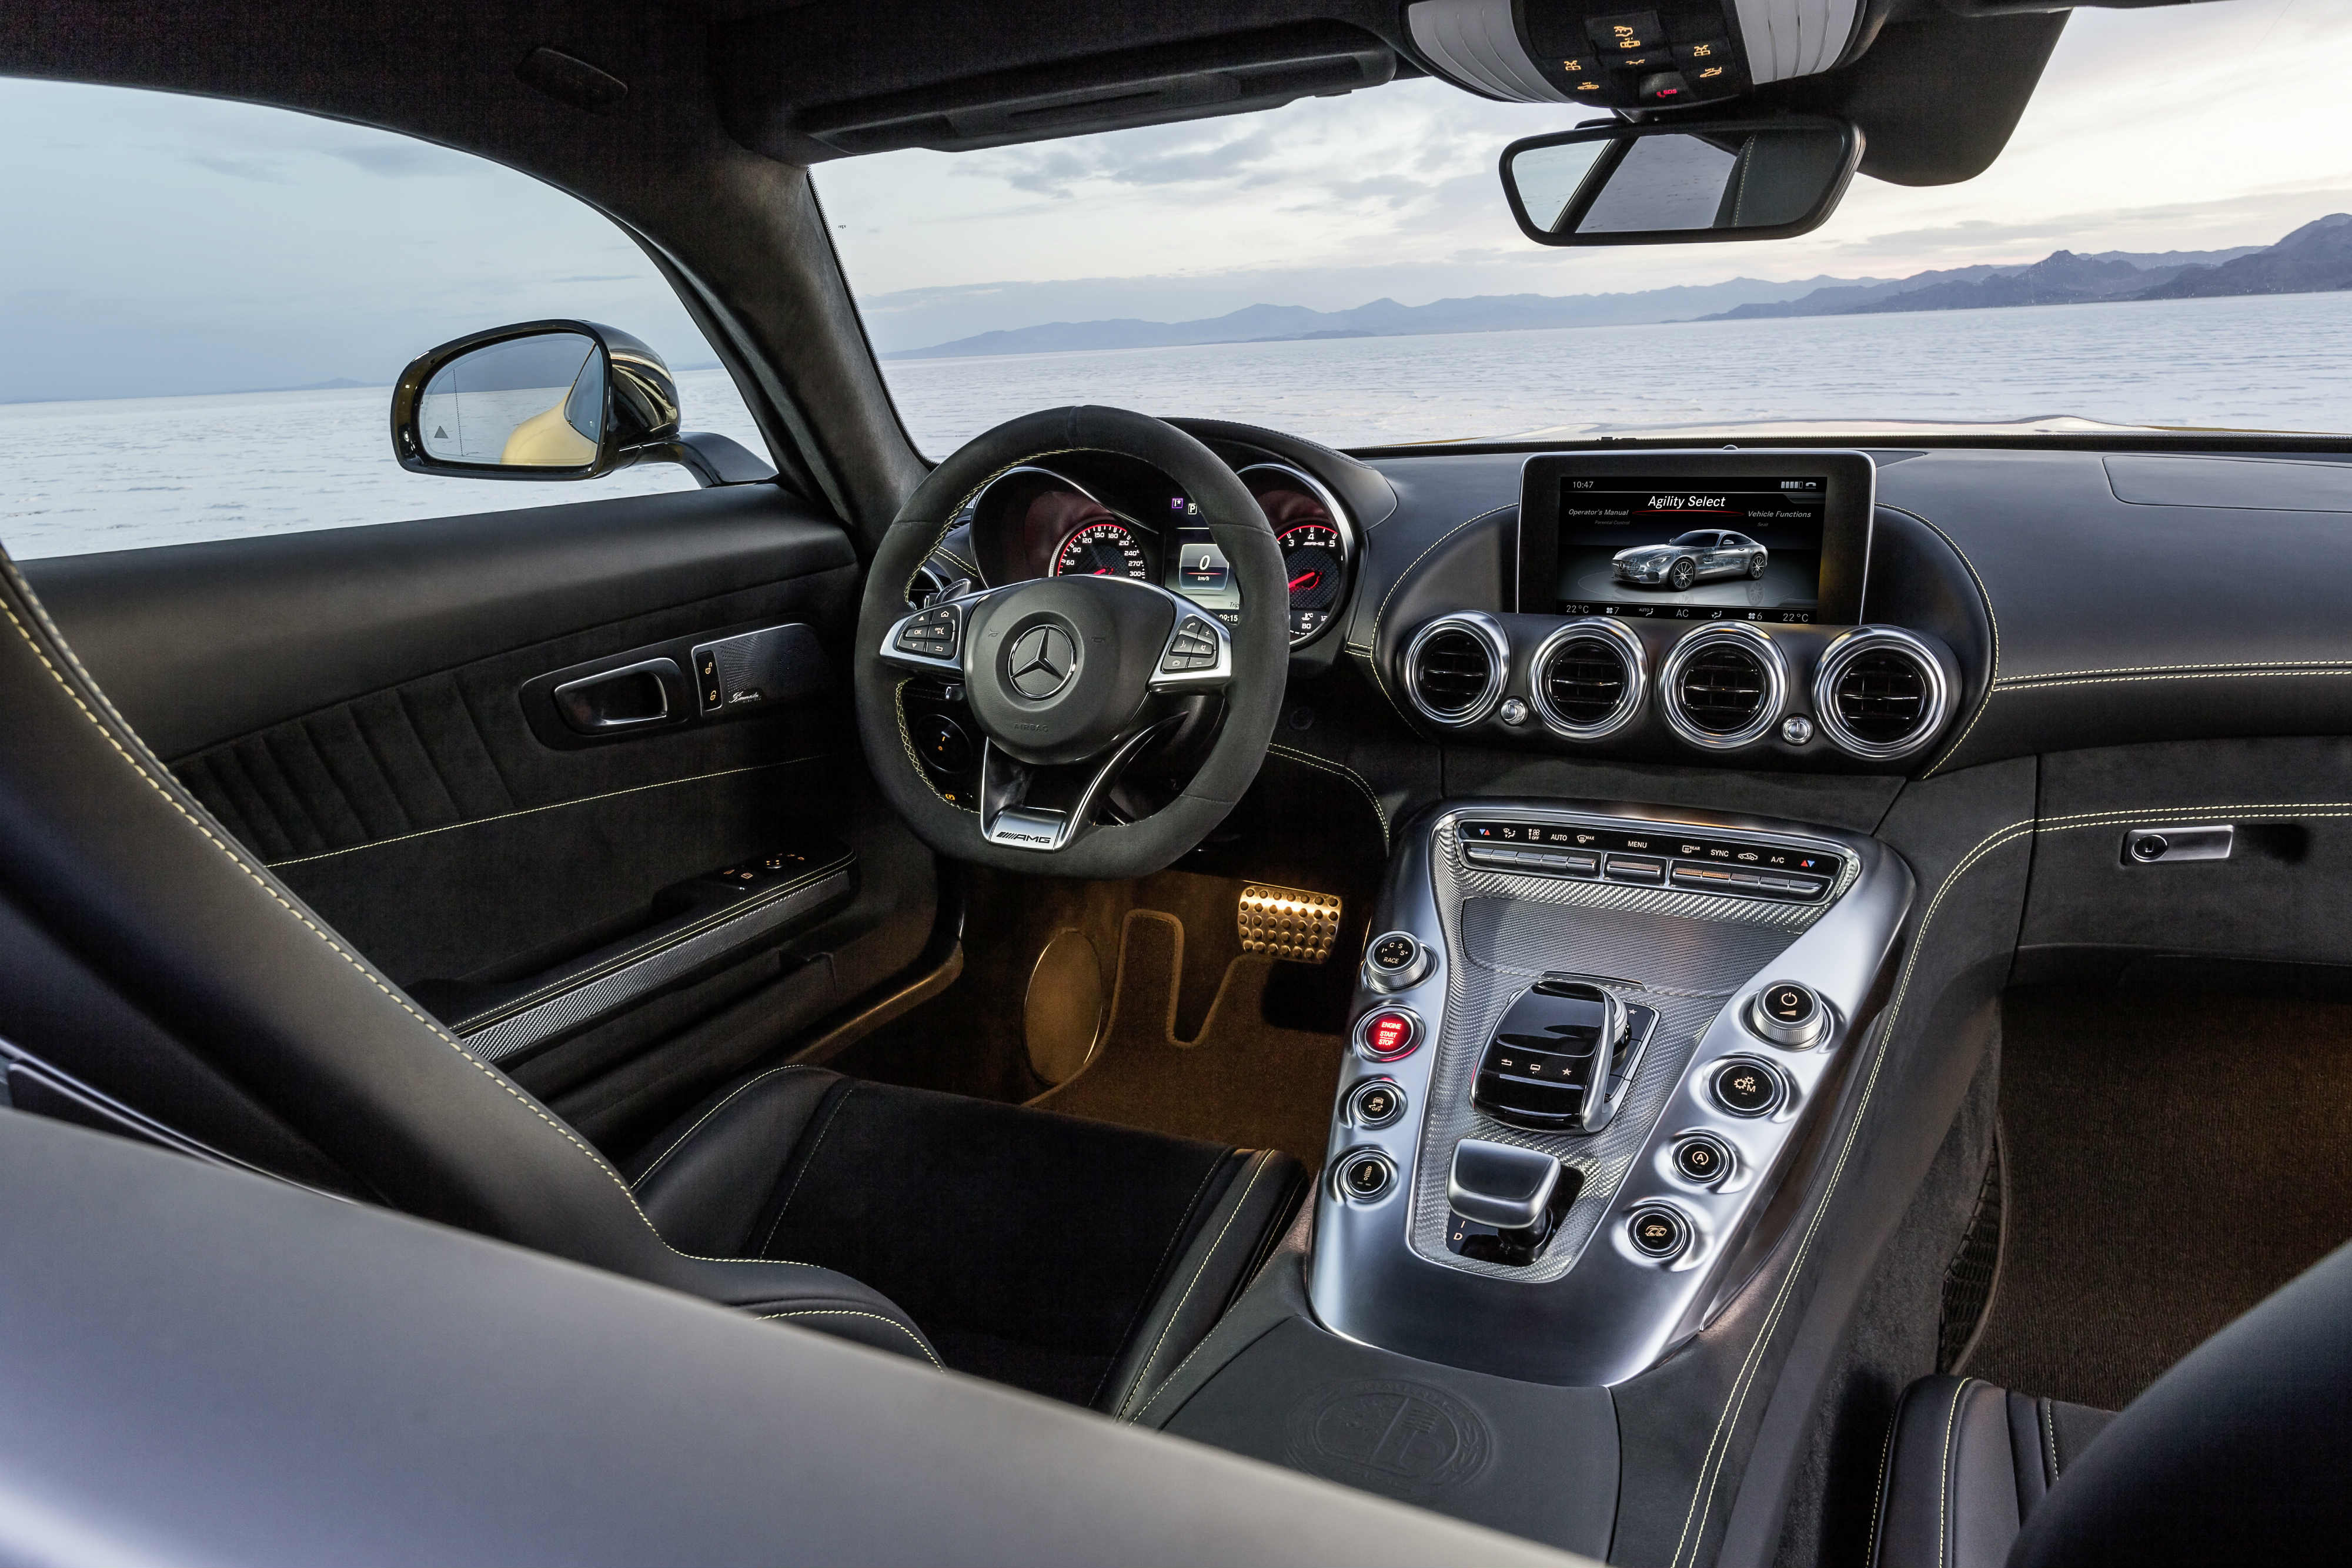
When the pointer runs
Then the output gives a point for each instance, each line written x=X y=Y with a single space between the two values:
x=1613 y=55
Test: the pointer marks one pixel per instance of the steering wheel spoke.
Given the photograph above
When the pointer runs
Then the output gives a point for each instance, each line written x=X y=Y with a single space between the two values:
x=1048 y=809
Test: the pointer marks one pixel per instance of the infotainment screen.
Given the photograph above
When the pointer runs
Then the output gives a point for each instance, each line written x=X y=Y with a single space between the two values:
x=1778 y=537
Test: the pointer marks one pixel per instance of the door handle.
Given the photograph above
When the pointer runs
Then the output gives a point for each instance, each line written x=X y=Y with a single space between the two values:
x=650 y=692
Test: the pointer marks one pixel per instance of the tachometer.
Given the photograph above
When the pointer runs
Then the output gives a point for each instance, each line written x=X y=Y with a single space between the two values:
x=1313 y=560
x=1102 y=550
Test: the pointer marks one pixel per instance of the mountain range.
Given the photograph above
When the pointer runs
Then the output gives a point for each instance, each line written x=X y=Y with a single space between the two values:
x=2316 y=257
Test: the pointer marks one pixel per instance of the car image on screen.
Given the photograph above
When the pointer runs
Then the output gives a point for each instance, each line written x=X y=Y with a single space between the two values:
x=1689 y=558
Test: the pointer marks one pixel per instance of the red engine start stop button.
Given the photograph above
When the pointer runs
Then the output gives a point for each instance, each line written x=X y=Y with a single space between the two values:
x=1388 y=1034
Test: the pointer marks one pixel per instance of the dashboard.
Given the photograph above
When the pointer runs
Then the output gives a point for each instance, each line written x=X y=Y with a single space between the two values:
x=1102 y=515
x=1938 y=607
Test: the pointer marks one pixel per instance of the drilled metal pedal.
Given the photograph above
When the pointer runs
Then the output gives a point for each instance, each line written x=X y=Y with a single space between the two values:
x=1288 y=923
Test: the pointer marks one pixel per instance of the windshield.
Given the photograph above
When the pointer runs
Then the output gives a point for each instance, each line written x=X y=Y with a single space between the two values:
x=1346 y=269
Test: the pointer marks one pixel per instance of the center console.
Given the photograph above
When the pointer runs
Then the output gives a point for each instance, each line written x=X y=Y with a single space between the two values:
x=1587 y=1049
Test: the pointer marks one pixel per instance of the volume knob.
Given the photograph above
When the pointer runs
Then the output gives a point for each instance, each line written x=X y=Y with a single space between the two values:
x=1787 y=1014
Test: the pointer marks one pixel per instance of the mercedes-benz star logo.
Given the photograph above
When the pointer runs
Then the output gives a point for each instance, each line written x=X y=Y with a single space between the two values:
x=1044 y=660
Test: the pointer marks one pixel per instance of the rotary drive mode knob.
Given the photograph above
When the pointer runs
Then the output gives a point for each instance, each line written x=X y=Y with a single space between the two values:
x=1396 y=961
x=1787 y=1014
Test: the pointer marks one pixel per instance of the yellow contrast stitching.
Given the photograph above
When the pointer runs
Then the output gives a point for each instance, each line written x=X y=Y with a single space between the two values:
x=1710 y=1465
x=1144 y=1371
x=2327 y=665
x=1344 y=771
x=1992 y=618
x=683 y=1138
x=259 y=881
x=526 y=812
x=1382 y=613
x=853 y=1312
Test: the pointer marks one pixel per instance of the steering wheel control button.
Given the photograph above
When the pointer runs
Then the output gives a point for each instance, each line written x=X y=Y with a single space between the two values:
x=1388 y=1033
x=1702 y=1159
x=932 y=634
x=1658 y=1232
x=1746 y=1088
x=1396 y=961
x=1375 y=1102
x=1193 y=647
x=1787 y=1013
x=1364 y=1175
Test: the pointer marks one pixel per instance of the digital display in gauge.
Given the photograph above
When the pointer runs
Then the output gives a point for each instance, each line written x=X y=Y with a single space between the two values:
x=1102 y=550
x=1314 y=564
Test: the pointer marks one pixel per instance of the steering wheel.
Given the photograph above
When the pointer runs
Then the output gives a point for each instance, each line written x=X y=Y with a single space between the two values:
x=1073 y=679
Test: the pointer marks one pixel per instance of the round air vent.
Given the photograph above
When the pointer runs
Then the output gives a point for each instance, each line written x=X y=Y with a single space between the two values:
x=1880 y=693
x=1723 y=687
x=1455 y=666
x=1589 y=678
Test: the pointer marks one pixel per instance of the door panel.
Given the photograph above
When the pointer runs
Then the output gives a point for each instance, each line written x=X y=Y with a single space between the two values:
x=371 y=712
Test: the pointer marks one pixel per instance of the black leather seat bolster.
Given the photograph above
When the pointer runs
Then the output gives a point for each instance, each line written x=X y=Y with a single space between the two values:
x=1071 y=1257
x=1226 y=1250
x=1967 y=1463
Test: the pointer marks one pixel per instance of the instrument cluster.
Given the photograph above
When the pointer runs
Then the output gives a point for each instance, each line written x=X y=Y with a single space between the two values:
x=1100 y=515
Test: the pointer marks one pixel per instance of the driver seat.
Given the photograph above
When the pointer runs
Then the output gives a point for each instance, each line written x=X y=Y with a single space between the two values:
x=147 y=960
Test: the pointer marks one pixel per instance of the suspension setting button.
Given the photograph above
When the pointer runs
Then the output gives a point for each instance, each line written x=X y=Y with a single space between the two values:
x=1746 y=1088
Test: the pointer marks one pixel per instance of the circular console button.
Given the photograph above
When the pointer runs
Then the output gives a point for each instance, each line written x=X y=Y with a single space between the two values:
x=1787 y=1013
x=1702 y=1159
x=1657 y=1232
x=1746 y=1088
x=1395 y=960
x=1375 y=1102
x=1387 y=1034
x=1365 y=1175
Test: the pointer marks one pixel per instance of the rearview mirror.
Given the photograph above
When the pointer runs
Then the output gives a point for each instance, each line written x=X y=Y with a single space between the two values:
x=544 y=400
x=1680 y=182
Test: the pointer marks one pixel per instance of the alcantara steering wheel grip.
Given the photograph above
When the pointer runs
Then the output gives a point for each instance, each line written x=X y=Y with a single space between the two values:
x=1069 y=678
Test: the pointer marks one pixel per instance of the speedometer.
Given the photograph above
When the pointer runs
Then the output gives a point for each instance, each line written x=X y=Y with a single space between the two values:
x=1313 y=562
x=1102 y=550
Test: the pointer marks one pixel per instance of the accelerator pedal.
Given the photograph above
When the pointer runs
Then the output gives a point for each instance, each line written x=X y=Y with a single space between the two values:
x=1288 y=923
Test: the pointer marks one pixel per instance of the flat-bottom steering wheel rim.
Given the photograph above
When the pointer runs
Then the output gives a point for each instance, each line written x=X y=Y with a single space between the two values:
x=1259 y=645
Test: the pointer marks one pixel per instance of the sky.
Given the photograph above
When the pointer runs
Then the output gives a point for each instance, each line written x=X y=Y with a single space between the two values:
x=159 y=245
x=2152 y=129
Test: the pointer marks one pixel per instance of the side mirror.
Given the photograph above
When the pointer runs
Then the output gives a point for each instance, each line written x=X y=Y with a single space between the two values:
x=1681 y=182
x=550 y=400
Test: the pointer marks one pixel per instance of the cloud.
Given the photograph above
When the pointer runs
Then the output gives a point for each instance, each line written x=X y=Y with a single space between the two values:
x=401 y=160
x=266 y=171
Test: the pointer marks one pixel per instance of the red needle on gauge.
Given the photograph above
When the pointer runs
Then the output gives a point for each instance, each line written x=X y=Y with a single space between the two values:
x=1307 y=578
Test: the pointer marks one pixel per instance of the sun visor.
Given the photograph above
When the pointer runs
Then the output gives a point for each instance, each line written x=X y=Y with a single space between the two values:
x=1603 y=53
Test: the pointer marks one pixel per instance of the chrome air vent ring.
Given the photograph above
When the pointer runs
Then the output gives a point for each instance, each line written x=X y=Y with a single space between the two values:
x=1587 y=643
x=1867 y=680
x=1747 y=653
x=1445 y=656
